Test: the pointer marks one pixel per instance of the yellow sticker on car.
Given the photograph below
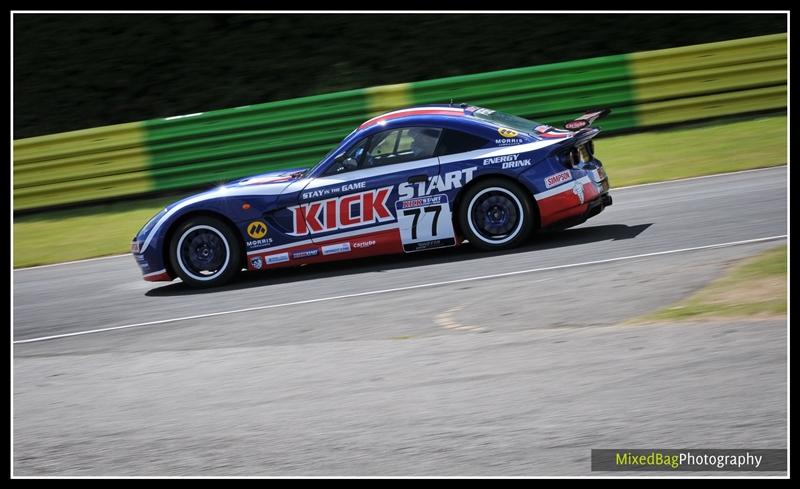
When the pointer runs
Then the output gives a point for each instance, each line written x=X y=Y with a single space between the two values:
x=507 y=133
x=257 y=229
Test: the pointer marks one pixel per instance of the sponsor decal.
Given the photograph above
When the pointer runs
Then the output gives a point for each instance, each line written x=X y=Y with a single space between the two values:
x=507 y=133
x=551 y=132
x=364 y=244
x=421 y=202
x=430 y=244
x=425 y=222
x=500 y=159
x=259 y=243
x=485 y=111
x=509 y=142
x=576 y=124
x=586 y=119
x=257 y=229
x=347 y=187
x=516 y=164
x=336 y=248
x=508 y=161
x=436 y=183
x=314 y=194
x=256 y=262
x=305 y=253
x=342 y=212
x=577 y=189
x=279 y=258
x=557 y=179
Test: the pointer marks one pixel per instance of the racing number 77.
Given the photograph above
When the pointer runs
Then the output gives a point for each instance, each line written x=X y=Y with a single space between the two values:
x=436 y=209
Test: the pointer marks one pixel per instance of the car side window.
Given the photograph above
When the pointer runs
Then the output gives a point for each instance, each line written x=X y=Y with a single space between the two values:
x=453 y=142
x=350 y=160
x=401 y=145
x=384 y=144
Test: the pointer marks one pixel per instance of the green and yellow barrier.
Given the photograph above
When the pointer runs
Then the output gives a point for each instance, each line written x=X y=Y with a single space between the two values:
x=84 y=165
x=709 y=80
x=644 y=89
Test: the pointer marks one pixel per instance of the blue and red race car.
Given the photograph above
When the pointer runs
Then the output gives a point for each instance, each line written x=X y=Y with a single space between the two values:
x=409 y=180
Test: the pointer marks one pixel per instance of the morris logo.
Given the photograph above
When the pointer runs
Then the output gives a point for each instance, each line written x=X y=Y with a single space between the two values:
x=507 y=133
x=257 y=229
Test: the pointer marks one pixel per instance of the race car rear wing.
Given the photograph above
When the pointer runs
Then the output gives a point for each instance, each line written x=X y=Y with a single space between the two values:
x=573 y=149
x=586 y=119
x=581 y=129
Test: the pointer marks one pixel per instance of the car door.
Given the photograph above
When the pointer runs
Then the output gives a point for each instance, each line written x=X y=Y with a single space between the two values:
x=353 y=209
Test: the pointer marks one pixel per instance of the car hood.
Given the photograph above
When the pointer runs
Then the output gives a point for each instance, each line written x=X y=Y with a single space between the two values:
x=265 y=184
x=284 y=177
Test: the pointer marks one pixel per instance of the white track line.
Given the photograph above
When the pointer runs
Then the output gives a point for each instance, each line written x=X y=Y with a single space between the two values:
x=677 y=180
x=71 y=262
x=409 y=287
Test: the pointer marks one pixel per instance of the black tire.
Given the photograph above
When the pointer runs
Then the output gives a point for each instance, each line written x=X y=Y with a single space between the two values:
x=508 y=216
x=205 y=252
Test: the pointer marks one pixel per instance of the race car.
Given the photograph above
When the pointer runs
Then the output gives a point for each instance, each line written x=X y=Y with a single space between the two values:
x=409 y=180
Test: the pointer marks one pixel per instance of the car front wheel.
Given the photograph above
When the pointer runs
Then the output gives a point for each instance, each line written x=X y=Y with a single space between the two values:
x=205 y=252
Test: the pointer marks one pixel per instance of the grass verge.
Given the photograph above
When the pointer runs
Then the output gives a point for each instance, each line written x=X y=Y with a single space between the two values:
x=85 y=232
x=755 y=287
x=690 y=152
x=101 y=230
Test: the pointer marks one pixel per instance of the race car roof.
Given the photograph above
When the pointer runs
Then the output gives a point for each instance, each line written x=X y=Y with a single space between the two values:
x=443 y=109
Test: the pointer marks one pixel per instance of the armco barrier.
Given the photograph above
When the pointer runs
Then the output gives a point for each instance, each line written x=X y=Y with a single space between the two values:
x=644 y=89
x=552 y=93
x=709 y=80
x=224 y=144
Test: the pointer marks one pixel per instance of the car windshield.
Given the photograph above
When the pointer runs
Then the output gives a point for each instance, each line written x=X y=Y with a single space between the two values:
x=327 y=155
x=506 y=120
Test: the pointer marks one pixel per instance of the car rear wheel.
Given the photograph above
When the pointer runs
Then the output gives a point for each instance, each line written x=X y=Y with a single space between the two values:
x=496 y=214
x=205 y=252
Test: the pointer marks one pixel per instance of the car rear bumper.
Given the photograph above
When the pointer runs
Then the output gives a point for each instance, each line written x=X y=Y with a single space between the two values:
x=595 y=207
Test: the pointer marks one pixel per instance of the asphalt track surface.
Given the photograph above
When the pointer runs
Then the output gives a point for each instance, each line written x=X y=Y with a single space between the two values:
x=451 y=362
